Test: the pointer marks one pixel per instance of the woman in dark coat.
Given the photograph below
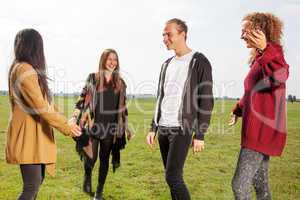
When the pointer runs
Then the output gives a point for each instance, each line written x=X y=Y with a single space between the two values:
x=101 y=109
x=262 y=106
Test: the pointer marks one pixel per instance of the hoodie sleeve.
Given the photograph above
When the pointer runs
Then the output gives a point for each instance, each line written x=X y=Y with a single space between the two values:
x=153 y=126
x=205 y=97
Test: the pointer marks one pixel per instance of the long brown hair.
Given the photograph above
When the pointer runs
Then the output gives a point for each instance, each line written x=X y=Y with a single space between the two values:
x=28 y=47
x=116 y=79
x=269 y=24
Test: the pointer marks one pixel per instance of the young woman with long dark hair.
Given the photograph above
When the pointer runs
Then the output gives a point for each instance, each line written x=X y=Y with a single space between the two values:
x=102 y=111
x=30 y=138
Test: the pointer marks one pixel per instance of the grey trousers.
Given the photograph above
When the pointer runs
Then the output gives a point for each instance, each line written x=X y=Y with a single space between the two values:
x=252 y=169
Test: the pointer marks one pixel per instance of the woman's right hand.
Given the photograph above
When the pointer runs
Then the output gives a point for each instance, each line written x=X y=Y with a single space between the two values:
x=233 y=119
x=75 y=130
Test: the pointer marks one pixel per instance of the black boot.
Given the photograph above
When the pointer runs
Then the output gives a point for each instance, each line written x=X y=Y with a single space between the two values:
x=99 y=193
x=87 y=184
x=115 y=166
x=87 y=180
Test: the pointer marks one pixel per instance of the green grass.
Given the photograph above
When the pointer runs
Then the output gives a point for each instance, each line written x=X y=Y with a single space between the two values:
x=207 y=174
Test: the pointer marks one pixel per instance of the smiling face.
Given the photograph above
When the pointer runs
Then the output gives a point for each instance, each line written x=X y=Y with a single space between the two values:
x=111 y=62
x=172 y=37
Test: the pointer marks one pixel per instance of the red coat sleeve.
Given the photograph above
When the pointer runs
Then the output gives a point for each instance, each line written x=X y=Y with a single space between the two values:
x=274 y=68
x=238 y=109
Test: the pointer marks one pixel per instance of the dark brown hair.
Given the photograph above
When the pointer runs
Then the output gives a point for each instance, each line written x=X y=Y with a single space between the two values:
x=182 y=27
x=100 y=79
x=28 y=47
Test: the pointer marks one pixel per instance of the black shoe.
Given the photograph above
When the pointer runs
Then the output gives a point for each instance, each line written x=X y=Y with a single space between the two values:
x=115 y=166
x=98 y=194
x=98 y=198
x=87 y=184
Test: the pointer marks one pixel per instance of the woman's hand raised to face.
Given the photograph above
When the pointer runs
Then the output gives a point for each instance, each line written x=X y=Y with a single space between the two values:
x=257 y=39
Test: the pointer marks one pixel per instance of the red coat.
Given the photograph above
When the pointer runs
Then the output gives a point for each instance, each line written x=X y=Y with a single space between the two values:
x=263 y=106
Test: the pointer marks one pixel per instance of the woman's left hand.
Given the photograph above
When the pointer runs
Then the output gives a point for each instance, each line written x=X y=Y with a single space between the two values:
x=233 y=119
x=258 y=39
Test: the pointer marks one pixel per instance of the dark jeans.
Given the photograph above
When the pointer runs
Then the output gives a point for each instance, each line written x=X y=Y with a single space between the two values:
x=251 y=169
x=33 y=176
x=174 y=145
x=104 y=152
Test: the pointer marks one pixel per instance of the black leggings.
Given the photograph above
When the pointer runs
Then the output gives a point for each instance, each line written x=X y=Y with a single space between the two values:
x=104 y=152
x=252 y=169
x=33 y=176
x=174 y=145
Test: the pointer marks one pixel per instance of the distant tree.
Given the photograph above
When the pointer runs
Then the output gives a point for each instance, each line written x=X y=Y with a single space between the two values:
x=2 y=92
x=290 y=98
x=294 y=99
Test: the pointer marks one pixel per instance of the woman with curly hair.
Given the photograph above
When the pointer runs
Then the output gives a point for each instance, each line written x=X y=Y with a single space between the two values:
x=262 y=106
x=101 y=109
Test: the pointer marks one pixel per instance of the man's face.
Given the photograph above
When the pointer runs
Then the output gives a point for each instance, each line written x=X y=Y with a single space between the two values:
x=172 y=37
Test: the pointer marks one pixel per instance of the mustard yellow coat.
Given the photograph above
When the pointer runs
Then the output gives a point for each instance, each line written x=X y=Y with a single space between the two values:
x=30 y=138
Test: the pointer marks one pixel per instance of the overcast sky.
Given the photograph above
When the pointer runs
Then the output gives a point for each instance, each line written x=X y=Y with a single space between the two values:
x=76 y=32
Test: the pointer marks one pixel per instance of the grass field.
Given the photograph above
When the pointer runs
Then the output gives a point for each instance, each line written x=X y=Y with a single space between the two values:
x=141 y=177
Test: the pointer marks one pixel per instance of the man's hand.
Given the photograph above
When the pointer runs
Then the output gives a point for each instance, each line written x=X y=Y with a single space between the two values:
x=198 y=145
x=150 y=138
